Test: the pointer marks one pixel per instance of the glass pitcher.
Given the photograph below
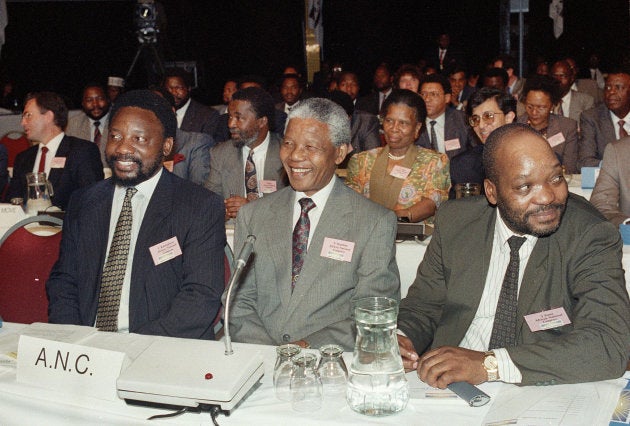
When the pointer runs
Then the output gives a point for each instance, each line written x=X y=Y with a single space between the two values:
x=376 y=381
x=39 y=191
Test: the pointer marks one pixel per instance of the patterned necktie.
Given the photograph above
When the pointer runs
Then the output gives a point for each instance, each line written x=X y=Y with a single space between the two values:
x=504 y=329
x=433 y=135
x=114 y=270
x=622 y=130
x=560 y=110
x=42 y=160
x=251 y=181
x=300 y=239
x=97 y=133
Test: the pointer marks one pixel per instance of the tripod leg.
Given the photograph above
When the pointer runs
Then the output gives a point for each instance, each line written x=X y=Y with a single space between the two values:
x=135 y=60
x=158 y=61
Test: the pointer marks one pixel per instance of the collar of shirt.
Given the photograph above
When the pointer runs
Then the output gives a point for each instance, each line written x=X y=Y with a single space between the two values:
x=440 y=125
x=615 y=121
x=139 y=204
x=502 y=233
x=260 y=155
x=320 y=198
x=53 y=146
x=104 y=119
x=574 y=87
x=288 y=108
x=566 y=104
x=181 y=112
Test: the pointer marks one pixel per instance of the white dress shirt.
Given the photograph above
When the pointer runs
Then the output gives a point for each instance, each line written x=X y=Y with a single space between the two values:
x=615 y=121
x=566 y=104
x=478 y=335
x=139 y=204
x=319 y=198
x=53 y=146
x=181 y=112
x=439 y=131
x=259 y=157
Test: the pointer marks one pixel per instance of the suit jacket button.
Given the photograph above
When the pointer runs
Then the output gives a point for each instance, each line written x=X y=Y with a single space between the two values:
x=286 y=338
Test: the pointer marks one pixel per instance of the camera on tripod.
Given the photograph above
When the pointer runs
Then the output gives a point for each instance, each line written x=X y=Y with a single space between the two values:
x=146 y=21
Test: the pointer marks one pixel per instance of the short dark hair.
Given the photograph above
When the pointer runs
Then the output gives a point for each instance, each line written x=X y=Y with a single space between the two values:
x=293 y=76
x=50 y=101
x=345 y=73
x=437 y=78
x=409 y=98
x=508 y=61
x=497 y=72
x=252 y=78
x=261 y=101
x=543 y=83
x=342 y=99
x=505 y=102
x=407 y=69
x=146 y=99
x=498 y=138
x=178 y=72
x=457 y=68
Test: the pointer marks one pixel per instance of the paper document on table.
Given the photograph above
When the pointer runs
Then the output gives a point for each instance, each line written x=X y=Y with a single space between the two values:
x=578 y=404
x=65 y=333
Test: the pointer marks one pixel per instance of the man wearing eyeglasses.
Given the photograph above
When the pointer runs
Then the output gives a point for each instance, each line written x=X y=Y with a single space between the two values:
x=487 y=110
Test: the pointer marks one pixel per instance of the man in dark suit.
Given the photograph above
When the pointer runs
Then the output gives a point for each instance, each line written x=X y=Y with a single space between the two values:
x=347 y=252
x=291 y=89
x=445 y=129
x=192 y=116
x=382 y=83
x=607 y=122
x=251 y=111
x=167 y=277
x=524 y=285
x=69 y=163
x=443 y=56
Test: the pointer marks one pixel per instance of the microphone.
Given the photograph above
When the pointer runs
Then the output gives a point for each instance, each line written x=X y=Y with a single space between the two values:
x=240 y=263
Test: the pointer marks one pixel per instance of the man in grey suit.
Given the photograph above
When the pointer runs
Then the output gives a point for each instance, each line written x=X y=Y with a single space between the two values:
x=611 y=194
x=95 y=105
x=303 y=280
x=607 y=122
x=524 y=285
x=251 y=111
x=167 y=278
x=572 y=102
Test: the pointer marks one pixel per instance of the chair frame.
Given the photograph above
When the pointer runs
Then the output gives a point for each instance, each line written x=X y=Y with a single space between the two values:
x=27 y=221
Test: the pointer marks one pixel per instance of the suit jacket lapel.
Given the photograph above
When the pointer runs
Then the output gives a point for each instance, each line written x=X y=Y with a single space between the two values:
x=272 y=160
x=282 y=249
x=55 y=173
x=237 y=185
x=533 y=280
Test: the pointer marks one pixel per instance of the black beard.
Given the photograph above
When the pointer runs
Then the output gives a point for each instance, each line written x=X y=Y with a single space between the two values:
x=144 y=173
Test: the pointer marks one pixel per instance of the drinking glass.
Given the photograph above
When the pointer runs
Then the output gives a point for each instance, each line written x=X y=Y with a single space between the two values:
x=306 y=385
x=282 y=370
x=332 y=370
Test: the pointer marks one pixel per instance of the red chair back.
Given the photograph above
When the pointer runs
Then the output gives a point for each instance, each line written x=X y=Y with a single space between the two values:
x=25 y=263
x=14 y=146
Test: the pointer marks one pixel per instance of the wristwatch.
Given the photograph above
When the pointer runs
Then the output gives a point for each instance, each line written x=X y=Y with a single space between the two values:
x=492 y=366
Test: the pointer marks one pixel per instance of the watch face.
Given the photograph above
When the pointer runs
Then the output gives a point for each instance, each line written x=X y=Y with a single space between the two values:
x=490 y=362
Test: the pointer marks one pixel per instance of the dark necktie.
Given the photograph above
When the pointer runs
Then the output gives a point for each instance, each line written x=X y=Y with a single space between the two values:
x=97 y=133
x=251 y=181
x=622 y=131
x=114 y=270
x=42 y=160
x=433 y=135
x=560 y=110
x=300 y=239
x=504 y=329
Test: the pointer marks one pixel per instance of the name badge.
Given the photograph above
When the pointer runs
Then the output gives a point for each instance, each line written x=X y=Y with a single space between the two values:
x=452 y=144
x=168 y=165
x=337 y=249
x=67 y=368
x=546 y=320
x=267 y=186
x=165 y=251
x=58 y=163
x=400 y=172
x=556 y=139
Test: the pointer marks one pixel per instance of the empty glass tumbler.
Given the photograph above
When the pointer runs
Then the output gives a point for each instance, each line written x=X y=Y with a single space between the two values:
x=282 y=370
x=332 y=370
x=306 y=386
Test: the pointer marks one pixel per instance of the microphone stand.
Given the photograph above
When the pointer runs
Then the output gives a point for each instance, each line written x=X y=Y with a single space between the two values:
x=241 y=261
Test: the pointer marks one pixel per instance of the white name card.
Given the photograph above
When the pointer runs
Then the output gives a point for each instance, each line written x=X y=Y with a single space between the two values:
x=69 y=368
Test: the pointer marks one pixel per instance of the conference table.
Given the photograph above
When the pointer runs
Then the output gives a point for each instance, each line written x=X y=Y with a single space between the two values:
x=584 y=404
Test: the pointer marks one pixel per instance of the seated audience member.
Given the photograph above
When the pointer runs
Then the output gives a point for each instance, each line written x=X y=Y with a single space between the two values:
x=364 y=127
x=525 y=287
x=115 y=88
x=382 y=83
x=348 y=82
x=445 y=129
x=611 y=194
x=291 y=92
x=192 y=116
x=496 y=78
x=4 y=172
x=487 y=110
x=229 y=88
x=410 y=180
x=515 y=83
x=301 y=291
x=248 y=165
x=540 y=94
x=606 y=122
x=69 y=163
x=572 y=102
x=408 y=77
x=190 y=157
x=110 y=273
x=460 y=90
x=594 y=72
x=585 y=85
x=92 y=124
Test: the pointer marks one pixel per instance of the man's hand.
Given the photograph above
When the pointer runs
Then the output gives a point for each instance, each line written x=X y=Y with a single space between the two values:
x=232 y=206
x=447 y=364
x=408 y=353
x=302 y=343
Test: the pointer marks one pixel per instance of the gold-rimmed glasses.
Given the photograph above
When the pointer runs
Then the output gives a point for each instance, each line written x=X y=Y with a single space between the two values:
x=487 y=116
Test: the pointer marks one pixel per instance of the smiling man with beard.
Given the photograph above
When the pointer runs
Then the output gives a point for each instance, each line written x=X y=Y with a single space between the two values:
x=524 y=285
x=247 y=166
x=143 y=251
